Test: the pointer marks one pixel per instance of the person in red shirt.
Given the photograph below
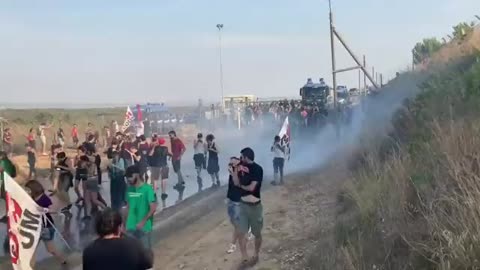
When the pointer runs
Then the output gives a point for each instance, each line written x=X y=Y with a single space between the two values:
x=177 y=148
x=75 y=135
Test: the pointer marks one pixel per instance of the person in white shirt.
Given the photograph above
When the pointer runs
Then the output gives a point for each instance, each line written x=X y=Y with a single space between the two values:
x=279 y=151
x=199 y=154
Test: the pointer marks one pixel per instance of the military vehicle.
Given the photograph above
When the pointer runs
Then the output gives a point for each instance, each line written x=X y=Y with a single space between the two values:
x=315 y=94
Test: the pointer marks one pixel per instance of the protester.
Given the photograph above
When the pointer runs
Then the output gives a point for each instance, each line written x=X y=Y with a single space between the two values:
x=130 y=155
x=43 y=136
x=74 y=135
x=112 y=250
x=31 y=159
x=142 y=156
x=48 y=231
x=141 y=206
x=63 y=182
x=54 y=150
x=6 y=166
x=199 y=153
x=234 y=193
x=8 y=142
x=249 y=176
x=213 y=167
x=31 y=140
x=159 y=167
x=81 y=172
x=279 y=151
x=91 y=191
x=91 y=150
x=178 y=149
x=61 y=136
x=116 y=171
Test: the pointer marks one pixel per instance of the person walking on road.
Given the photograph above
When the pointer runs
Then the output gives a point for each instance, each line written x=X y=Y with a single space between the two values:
x=234 y=193
x=141 y=206
x=213 y=168
x=279 y=151
x=112 y=250
x=249 y=177
x=159 y=166
x=199 y=153
x=116 y=171
x=178 y=149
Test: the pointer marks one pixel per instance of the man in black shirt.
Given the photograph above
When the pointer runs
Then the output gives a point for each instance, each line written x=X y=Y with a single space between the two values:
x=158 y=165
x=248 y=176
x=234 y=193
x=113 y=251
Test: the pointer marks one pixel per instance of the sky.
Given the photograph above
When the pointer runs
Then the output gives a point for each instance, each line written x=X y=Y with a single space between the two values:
x=123 y=51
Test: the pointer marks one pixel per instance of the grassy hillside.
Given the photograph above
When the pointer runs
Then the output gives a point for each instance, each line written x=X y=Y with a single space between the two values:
x=413 y=203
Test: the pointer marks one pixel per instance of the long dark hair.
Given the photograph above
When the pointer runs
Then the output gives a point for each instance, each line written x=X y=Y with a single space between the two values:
x=36 y=189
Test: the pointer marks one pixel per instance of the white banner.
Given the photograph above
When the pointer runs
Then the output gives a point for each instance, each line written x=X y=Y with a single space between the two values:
x=284 y=135
x=128 y=119
x=24 y=224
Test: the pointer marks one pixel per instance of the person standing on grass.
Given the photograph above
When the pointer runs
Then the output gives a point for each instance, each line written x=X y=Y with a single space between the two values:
x=31 y=140
x=249 y=177
x=112 y=250
x=159 y=166
x=116 y=171
x=43 y=137
x=234 y=193
x=31 y=159
x=61 y=136
x=141 y=206
x=199 y=153
x=178 y=149
x=279 y=151
x=37 y=193
x=213 y=167
x=8 y=142
x=74 y=135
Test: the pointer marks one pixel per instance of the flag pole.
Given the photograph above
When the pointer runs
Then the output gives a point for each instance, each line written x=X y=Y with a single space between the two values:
x=58 y=232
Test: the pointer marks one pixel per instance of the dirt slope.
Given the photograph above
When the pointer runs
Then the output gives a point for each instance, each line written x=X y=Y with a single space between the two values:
x=299 y=219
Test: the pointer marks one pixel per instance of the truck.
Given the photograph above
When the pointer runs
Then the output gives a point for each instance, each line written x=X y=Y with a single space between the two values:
x=315 y=94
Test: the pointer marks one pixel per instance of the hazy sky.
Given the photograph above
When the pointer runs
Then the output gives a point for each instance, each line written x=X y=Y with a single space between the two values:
x=121 y=51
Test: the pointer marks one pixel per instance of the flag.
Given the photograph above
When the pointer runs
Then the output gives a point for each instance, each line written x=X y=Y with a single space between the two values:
x=128 y=119
x=24 y=224
x=139 y=113
x=284 y=135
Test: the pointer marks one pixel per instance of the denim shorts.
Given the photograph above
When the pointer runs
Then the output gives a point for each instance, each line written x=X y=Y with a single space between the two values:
x=233 y=209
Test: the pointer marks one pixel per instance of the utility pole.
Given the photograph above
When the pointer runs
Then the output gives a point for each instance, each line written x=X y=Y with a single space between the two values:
x=220 y=27
x=332 y=48
x=364 y=76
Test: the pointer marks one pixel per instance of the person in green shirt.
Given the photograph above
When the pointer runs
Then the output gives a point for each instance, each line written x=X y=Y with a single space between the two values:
x=6 y=166
x=141 y=205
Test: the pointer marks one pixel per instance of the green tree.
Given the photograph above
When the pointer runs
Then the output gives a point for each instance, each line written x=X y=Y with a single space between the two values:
x=425 y=49
x=461 y=30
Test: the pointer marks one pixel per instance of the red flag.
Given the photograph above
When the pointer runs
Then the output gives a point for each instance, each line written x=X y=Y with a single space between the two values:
x=139 y=113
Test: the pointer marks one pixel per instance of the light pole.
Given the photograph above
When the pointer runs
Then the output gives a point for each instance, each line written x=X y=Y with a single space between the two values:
x=220 y=27
x=332 y=48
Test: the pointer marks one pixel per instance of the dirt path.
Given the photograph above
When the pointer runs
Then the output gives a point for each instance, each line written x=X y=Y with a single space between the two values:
x=299 y=219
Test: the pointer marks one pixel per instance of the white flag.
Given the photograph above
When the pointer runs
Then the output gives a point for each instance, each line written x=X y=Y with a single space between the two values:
x=285 y=137
x=128 y=119
x=24 y=224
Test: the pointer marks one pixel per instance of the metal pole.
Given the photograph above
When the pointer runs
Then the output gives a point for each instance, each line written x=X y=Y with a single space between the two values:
x=339 y=37
x=364 y=75
x=359 y=80
x=332 y=48
x=381 y=79
x=220 y=27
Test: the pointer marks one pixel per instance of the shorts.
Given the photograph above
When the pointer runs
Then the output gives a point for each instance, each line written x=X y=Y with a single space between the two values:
x=176 y=164
x=278 y=164
x=158 y=172
x=75 y=139
x=144 y=237
x=251 y=216
x=92 y=185
x=47 y=234
x=233 y=210
x=199 y=160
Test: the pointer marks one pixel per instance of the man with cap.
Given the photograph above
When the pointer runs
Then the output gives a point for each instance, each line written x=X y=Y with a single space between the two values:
x=158 y=165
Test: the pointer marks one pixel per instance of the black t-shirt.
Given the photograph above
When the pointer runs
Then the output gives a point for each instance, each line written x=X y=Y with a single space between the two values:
x=118 y=253
x=90 y=148
x=253 y=172
x=159 y=157
x=234 y=193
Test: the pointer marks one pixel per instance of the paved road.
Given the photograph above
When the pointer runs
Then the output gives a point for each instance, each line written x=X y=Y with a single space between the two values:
x=81 y=234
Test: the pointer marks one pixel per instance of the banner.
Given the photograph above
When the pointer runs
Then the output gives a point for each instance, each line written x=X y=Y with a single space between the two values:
x=128 y=119
x=285 y=136
x=24 y=224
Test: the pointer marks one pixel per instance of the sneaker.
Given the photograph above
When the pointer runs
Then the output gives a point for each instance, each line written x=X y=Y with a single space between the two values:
x=231 y=249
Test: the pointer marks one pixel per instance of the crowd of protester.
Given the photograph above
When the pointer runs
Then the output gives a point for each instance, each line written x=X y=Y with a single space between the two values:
x=138 y=167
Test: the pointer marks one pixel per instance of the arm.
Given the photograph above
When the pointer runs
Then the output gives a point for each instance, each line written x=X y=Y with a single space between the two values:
x=250 y=187
x=153 y=207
